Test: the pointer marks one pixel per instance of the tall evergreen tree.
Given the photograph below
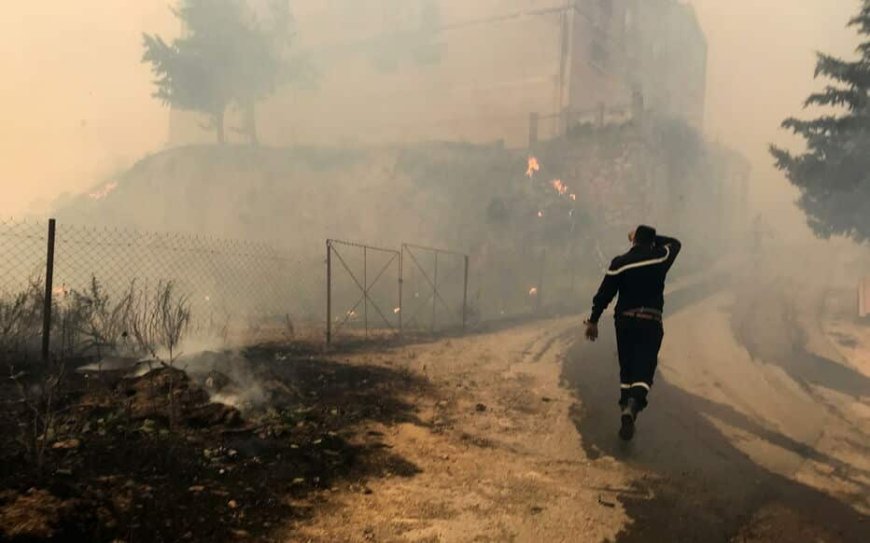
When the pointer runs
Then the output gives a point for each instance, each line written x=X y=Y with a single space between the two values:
x=833 y=174
x=229 y=54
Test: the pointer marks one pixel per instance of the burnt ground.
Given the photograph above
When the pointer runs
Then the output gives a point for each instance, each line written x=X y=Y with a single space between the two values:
x=475 y=438
x=116 y=470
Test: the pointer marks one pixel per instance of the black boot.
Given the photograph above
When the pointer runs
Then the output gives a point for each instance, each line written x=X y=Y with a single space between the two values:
x=629 y=414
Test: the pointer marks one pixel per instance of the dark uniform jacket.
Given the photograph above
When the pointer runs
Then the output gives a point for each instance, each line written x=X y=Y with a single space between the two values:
x=639 y=278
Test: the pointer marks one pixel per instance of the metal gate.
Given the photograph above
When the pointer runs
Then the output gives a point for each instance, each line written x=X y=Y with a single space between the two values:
x=363 y=290
x=434 y=289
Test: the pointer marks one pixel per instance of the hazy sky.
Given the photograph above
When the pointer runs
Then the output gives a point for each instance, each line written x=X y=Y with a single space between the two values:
x=761 y=61
x=76 y=101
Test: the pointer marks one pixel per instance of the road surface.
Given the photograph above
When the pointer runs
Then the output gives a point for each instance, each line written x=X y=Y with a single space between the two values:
x=757 y=432
x=749 y=436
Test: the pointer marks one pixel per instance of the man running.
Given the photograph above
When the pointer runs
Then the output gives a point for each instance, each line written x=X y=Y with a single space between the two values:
x=639 y=278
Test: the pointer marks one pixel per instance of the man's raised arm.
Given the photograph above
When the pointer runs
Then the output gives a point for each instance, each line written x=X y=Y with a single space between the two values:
x=673 y=245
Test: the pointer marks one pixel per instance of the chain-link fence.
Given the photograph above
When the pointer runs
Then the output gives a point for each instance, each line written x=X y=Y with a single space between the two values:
x=22 y=255
x=233 y=291
x=232 y=287
x=23 y=247
x=242 y=292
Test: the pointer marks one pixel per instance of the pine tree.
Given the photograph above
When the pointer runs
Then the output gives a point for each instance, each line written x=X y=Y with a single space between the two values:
x=833 y=174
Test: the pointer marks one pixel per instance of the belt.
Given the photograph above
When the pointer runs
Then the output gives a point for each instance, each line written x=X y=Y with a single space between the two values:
x=643 y=313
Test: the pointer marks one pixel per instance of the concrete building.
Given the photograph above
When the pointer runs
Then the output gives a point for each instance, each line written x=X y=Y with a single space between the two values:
x=630 y=54
x=479 y=70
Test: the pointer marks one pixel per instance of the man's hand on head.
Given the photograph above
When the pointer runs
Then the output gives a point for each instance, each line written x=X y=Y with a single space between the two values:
x=591 y=330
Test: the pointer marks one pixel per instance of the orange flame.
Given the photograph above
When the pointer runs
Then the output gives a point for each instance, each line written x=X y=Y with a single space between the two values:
x=560 y=187
x=533 y=167
x=533 y=291
x=540 y=214
x=573 y=197
x=60 y=292
x=103 y=192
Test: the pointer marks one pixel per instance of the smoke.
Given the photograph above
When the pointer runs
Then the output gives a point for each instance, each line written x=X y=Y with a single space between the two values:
x=229 y=377
x=83 y=109
x=760 y=67
x=77 y=102
x=81 y=96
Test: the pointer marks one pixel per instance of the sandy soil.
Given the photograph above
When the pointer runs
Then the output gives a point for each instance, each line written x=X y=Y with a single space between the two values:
x=757 y=431
x=500 y=458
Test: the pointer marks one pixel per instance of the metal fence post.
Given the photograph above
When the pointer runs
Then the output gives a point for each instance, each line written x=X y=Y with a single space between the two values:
x=435 y=293
x=49 y=280
x=465 y=295
x=401 y=286
x=366 y=290
x=328 y=292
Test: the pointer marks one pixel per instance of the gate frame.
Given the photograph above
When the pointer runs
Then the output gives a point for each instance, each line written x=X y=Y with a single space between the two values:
x=364 y=287
x=407 y=248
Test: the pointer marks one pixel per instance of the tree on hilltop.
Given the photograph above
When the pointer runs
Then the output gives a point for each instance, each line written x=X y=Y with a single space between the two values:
x=229 y=54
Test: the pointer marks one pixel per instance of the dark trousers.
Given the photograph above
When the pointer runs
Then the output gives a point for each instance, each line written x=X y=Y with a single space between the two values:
x=638 y=342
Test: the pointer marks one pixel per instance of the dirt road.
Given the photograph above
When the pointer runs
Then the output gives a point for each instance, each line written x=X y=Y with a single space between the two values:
x=744 y=440
x=498 y=456
x=742 y=448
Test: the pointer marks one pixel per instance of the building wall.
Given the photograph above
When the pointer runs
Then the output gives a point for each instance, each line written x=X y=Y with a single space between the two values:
x=671 y=53
x=411 y=70
x=599 y=56
x=652 y=50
